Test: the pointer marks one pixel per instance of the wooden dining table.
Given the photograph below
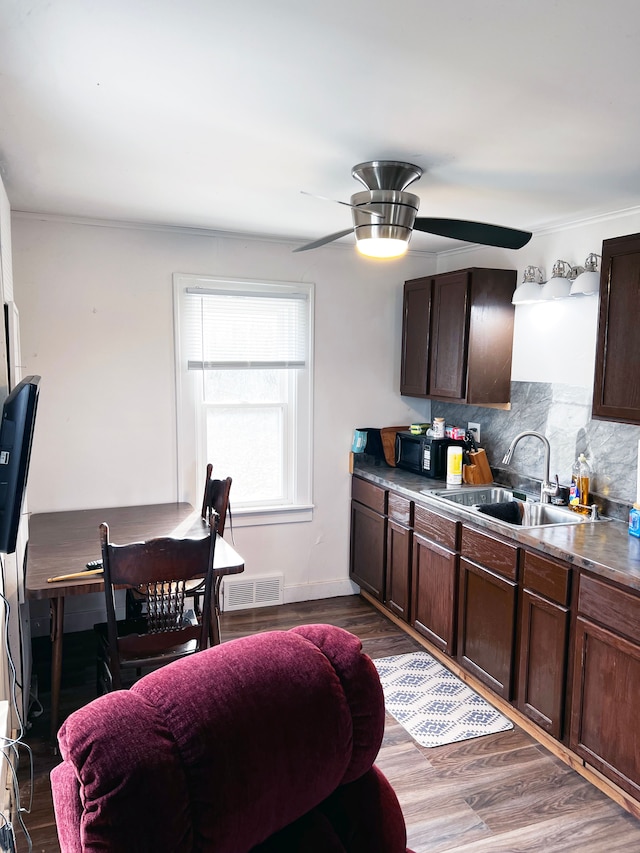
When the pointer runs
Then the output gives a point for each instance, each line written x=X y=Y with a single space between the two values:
x=62 y=543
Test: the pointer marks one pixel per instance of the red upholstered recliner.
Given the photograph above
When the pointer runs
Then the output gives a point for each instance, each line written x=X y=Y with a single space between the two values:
x=263 y=744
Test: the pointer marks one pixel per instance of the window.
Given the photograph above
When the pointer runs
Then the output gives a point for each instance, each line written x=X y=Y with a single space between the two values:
x=243 y=351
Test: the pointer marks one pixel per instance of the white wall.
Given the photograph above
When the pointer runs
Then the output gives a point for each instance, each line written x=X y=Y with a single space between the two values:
x=96 y=322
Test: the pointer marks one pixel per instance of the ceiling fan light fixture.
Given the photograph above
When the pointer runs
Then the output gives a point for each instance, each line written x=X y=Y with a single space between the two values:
x=382 y=247
x=382 y=241
x=387 y=203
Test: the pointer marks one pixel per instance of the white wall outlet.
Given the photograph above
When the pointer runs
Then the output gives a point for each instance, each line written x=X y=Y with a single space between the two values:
x=476 y=427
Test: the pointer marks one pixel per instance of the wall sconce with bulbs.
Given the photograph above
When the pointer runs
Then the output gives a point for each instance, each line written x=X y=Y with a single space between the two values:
x=588 y=282
x=562 y=277
x=531 y=288
x=566 y=280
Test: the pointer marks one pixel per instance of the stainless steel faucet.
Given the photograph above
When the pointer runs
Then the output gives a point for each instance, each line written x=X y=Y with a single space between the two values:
x=547 y=489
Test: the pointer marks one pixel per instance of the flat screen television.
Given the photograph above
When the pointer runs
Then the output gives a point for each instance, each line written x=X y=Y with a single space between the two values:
x=16 y=436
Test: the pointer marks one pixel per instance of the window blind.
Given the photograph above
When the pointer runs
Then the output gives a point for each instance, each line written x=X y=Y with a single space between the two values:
x=235 y=330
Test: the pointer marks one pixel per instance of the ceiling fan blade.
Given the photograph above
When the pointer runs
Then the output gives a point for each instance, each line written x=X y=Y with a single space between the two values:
x=474 y=232
x=323 y=240
x=364 y=208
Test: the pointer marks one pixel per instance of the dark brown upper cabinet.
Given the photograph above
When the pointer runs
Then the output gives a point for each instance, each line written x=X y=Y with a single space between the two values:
x=616 y=387
x=457 y=336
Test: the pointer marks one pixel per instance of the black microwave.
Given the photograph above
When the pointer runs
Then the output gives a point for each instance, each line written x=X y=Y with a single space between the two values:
x=423 y=454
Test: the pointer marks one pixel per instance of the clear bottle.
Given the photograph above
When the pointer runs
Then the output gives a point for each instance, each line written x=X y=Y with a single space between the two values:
x=584 y=480
x=574 y=489
x=580 y=484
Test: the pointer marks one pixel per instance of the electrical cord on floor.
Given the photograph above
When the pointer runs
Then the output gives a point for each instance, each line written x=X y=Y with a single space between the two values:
x=9 y=746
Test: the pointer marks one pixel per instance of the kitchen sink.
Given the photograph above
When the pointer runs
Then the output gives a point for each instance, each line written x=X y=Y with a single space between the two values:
x=473 y=497
x=535 y=514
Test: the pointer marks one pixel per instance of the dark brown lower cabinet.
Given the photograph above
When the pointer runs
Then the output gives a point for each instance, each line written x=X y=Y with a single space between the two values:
x=543 y=662
x=397 y=587
x=544 y=642
x=606 y=687
x=368 y=537
x=487 y=609
x=397 y=595
x=435 y=579
x=571 y=638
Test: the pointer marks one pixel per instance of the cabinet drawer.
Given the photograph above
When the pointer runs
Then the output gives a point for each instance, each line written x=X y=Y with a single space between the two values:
x=400 y=509
x=497 y=555
x=435 y=527
x=368 y=494
x=609 y=606
x=547 y=577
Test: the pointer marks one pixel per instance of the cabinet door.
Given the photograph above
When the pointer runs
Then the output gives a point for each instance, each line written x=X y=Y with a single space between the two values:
x=368 y=549
x=435 y=593
x=414 y=372
x=616 y=394
x=397 y=587
x=449 y=335
x=486 y=626
x=606 y=698
x=544 y=633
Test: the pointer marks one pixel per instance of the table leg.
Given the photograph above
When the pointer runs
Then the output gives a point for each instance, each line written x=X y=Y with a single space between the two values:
x=215 y=612
x=57 y=630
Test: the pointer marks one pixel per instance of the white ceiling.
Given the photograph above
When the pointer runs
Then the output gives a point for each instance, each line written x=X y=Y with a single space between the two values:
x=215 y=115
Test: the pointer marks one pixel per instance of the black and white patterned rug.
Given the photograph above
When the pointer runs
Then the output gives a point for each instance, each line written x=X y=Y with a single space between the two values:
x=432 y=704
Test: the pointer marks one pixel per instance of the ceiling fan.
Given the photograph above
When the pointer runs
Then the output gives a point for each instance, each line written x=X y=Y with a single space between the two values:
x=384 y=215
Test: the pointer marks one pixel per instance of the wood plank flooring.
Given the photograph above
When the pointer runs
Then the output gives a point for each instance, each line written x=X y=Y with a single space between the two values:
x=501 y=793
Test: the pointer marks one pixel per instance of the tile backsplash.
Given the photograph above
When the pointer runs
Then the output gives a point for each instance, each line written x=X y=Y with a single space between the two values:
x=563 y=414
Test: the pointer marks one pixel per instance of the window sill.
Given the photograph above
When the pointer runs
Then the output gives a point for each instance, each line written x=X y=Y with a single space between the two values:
x=256 y=516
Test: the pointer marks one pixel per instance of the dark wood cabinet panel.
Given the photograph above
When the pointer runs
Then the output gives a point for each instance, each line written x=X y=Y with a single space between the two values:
x=369 y=494
x=606 y=698
x=616 y=393
x=444 y=531
x=414 y=371
x=435 y=593
x=398 y=579
x=542 y=671
x=449 y=332
x=400 y=509
x=612 y=607
x=368 y=549
x=543 y=661
x=491 y=322
x=550 y=578
x=486 y=626
x=496 y=554
x=457 y=336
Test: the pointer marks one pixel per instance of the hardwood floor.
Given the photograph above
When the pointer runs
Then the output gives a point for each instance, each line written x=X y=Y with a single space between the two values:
x=502 y=793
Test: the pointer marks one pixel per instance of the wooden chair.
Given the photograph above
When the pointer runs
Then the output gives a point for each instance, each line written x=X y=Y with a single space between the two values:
x=159 y=570
x=216 y=497
x=215 y=500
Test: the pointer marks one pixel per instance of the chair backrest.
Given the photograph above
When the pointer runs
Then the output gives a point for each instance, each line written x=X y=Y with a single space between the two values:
x=216 y=497
x=158 y=569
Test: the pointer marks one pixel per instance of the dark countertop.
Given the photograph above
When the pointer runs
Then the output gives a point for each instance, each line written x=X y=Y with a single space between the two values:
x=604 y=548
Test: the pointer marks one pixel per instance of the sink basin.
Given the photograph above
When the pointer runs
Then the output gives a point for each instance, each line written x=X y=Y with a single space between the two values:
x=535 y=514
x=472 y=497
